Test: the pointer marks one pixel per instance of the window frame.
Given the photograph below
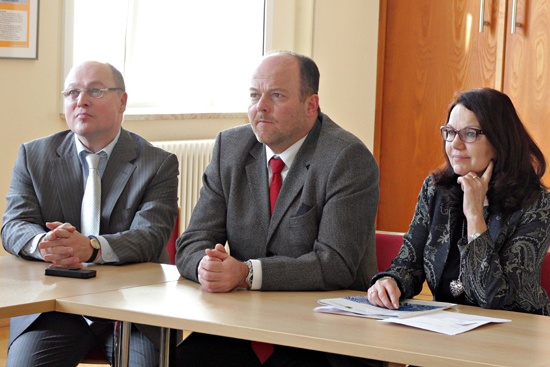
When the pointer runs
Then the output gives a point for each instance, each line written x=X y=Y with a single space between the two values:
x=148 y=113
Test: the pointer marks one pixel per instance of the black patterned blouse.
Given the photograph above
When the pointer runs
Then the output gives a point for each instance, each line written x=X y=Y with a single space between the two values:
x=500 y=269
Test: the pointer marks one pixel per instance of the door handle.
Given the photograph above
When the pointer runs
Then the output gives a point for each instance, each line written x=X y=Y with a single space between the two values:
x=482 y=15
x=514 y=17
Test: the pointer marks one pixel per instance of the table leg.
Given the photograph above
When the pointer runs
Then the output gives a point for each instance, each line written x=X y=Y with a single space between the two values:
x=168 y=340
x=167 y=347
x=122 y=344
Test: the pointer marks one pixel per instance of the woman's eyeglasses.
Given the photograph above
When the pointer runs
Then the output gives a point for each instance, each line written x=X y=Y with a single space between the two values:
x=467 y=135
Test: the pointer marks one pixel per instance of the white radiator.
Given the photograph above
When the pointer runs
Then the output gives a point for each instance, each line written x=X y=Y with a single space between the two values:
x=193 y=157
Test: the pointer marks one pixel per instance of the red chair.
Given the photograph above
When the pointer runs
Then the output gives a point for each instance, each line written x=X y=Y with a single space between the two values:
x=387 y=248
x=545 y=276
x=171 y=246
x=95 y=356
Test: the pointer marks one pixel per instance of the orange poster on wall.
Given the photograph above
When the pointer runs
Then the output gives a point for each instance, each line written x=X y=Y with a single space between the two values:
x=19 y=29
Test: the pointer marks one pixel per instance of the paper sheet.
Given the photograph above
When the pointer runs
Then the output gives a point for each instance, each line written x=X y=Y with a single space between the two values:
x=450 y=323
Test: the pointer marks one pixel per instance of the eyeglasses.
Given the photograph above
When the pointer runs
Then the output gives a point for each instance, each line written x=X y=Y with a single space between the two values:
x=467 y=135
x=73 y=94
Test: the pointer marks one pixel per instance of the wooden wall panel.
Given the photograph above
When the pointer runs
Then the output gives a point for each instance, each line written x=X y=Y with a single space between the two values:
x=527 y=70
x=432 y=50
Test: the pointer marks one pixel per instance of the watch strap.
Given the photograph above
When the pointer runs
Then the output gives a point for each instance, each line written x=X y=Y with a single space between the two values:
x=95 y=250
x=250 y=275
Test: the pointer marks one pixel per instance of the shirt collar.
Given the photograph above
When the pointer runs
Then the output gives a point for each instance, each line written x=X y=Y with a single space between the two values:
x=288 y=155
x=108 y=149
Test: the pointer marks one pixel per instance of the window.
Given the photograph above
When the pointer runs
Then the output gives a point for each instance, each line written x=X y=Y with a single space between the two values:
x=177 y=56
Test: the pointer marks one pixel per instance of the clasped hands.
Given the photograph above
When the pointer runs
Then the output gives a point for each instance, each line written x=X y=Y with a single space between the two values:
x=64 y=246
x=219 y=272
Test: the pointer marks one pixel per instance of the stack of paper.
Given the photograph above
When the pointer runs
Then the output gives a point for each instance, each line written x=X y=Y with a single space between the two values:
x=427 y=315
x=360 y=306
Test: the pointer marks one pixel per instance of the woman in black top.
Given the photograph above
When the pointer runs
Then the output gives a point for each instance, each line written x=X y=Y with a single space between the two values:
x=481 y=228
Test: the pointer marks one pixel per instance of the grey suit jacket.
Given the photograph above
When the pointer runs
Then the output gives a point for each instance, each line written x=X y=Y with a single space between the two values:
x=321 y=235
x=138 y=198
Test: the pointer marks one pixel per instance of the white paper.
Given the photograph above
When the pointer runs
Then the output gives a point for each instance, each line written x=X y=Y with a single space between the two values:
x=450 y=323
x=337 y=311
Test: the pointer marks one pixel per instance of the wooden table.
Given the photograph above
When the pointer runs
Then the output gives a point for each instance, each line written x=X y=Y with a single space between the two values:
x=287 y=318
x=26 y=290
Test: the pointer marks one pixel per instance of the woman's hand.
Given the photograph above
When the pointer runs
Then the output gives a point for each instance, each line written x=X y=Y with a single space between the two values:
x=384 y=293
x=475 y=190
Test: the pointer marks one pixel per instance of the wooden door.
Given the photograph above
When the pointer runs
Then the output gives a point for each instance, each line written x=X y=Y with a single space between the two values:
x=527 y=69
x=430 y=50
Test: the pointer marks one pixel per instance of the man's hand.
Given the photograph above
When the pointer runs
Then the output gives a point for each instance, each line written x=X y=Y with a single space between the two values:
x=218 y=272
x=64 y=246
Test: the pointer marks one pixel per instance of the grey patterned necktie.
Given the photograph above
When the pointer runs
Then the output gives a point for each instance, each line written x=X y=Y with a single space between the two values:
x=91 y=203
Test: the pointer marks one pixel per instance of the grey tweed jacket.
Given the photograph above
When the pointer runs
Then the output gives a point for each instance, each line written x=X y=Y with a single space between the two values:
x=321 y=235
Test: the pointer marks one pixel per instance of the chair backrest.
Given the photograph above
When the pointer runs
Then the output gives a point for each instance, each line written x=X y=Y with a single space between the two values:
x=545 y=276
x=95 y=356
x=171 y=246
x=387 y=248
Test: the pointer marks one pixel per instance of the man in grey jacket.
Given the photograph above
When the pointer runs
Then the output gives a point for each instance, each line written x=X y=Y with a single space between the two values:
x=317 y=233
x=43 y=213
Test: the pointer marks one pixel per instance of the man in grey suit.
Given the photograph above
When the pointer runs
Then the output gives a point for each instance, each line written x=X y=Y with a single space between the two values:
x=320 y=234
x=43 y=213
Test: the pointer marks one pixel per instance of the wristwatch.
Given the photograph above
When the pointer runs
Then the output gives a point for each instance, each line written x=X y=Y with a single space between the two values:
x=94 y=242
x=473 y=236
x=250 y=275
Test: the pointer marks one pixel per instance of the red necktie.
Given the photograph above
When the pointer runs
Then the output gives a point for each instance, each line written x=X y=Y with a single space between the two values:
x=277 y=166
x=264 y=350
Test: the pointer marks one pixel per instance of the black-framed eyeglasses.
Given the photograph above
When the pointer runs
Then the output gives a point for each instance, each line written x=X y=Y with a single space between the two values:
x=467 y=135
x=72 y=94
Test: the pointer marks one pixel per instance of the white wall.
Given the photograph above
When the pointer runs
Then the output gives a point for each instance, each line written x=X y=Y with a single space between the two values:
x=340 y=35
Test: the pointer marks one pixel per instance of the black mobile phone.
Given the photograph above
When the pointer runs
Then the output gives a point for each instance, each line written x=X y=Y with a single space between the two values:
x=71 y=272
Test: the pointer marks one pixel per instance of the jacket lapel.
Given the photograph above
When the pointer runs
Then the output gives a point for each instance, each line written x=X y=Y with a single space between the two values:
x=295 y=179
x=67 y=163
x=256 y=174
x=118 y=171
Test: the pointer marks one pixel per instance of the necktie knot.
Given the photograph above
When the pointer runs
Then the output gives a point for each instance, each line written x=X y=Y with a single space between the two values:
x=276 y=165
x=93 y=161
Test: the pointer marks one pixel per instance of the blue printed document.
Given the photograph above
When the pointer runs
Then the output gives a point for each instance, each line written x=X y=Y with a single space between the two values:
x=360 y=306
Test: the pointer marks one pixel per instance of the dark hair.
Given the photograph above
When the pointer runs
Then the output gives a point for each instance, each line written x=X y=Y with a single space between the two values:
x=309 y=73
x=519 y=164
x=119 y=79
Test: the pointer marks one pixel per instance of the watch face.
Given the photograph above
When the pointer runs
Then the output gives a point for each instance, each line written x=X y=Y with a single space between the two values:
x=95 y=243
